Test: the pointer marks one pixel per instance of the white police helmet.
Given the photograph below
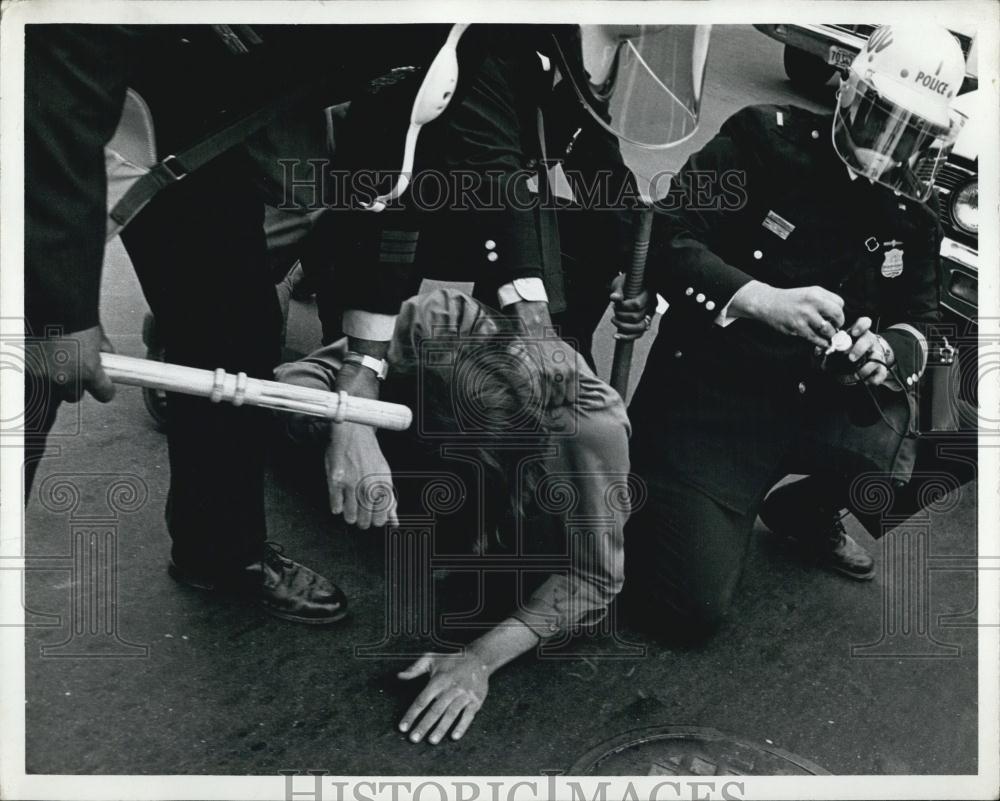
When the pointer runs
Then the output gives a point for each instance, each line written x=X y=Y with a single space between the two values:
x=895 y=123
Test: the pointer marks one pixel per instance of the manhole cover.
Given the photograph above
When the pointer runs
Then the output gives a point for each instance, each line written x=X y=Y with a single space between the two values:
x=689 y=751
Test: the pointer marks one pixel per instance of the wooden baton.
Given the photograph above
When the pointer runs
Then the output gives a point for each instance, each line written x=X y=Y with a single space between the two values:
x=240 y=389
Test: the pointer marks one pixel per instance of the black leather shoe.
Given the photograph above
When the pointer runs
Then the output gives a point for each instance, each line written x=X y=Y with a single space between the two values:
x=284 y=588
x=820 y=533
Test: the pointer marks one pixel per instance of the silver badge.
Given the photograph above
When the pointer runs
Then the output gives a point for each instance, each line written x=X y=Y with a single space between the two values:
x=892 y=263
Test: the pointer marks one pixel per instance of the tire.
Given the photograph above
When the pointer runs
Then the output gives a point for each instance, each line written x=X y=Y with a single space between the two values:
x=155 y=400
x=806 y=71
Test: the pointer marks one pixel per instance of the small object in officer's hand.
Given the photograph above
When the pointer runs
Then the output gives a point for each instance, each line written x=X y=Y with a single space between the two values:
x=835 y=358
x=840 y=343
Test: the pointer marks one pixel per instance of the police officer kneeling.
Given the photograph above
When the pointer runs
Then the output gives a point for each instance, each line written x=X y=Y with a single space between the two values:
x=772 y=241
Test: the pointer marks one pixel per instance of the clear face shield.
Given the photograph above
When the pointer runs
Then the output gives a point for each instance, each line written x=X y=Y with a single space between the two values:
x=887 y=143
x=641 y=83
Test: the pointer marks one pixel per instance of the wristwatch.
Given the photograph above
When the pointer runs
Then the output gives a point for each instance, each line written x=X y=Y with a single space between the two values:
x=379 y=366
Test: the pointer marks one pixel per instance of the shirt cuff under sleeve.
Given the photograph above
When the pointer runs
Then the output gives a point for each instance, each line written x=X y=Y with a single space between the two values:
x=369 y=325
x=531 y=289
x=722 y=319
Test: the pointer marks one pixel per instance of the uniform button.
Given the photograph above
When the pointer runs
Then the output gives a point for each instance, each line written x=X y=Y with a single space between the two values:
x=532 y=163
x=802 y=388
x=710 y=305
x=492 y=256
x=689 y=291
x=700 y=298
x=677 y=354
x=815 y=134
x=490 y=244
x=553 y=627
x=757 y=254
x=909 y=381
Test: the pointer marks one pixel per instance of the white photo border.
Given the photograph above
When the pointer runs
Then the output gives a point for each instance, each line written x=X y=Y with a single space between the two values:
x=16 y=784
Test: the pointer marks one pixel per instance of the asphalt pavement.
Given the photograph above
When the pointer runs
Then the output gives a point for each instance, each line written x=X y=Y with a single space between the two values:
x=859 y=678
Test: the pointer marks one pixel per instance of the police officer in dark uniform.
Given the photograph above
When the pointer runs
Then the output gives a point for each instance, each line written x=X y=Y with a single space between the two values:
x=771 y=241
x=479 y=207
x=199 y=251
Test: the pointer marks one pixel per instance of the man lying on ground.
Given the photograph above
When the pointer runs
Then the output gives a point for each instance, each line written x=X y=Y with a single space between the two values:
x=478 y=387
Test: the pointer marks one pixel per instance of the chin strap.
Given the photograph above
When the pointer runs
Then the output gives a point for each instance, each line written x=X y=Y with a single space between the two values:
x=432 y=99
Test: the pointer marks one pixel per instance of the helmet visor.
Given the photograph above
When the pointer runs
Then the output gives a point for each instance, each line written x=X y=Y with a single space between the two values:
x=885 y=142
x=642 y=83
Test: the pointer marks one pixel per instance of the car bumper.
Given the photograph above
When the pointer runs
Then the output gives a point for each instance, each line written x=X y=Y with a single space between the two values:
x=818 y=39
x=960 y=279
x=815 y=39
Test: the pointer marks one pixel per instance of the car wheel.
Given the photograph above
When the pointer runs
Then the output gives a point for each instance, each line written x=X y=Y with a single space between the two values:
x=806 y=71
x=155 y=400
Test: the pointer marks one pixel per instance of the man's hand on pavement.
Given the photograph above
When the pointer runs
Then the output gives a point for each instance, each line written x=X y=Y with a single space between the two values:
x=454 y=694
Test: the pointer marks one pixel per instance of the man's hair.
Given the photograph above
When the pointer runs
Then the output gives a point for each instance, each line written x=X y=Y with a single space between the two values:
x=487 y=395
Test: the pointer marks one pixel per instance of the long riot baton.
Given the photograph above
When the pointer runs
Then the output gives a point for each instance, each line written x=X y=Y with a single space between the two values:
x=621 y=365
x=240 y=389
x=643 y=85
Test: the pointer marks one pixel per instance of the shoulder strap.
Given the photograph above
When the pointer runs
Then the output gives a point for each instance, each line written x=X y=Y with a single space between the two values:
x=175 y=167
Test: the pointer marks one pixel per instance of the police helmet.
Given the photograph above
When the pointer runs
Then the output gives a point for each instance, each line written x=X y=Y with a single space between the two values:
x=895 y=123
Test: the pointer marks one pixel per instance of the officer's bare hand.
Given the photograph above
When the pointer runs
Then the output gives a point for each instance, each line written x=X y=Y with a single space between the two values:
x=631 y=317
x=455 y=692
x=871 y=351
x=71 y=365
x=554 y=364
x=812 y=312
x=357 y=474
x=545 y=353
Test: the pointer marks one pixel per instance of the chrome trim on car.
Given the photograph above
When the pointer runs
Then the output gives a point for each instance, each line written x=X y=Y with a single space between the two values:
x=962 y=254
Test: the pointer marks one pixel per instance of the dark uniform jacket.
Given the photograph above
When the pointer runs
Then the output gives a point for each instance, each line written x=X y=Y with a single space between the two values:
x=769 y=199
x=75 y=82
x=492 y=135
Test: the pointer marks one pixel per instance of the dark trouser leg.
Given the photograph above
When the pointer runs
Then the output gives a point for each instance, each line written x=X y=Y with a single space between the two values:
x=810 y=510
x=684 y=555
x=74 y=87
x=826 y=493
x=823 y=493
x=199 y=251
x=40 y=408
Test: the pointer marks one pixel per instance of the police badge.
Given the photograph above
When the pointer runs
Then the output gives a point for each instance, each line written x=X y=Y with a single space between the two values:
x=892 y=263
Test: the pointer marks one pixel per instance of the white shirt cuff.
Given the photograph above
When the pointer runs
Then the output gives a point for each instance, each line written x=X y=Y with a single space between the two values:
x=722 y=319
x=369 y=325
x=531 y=289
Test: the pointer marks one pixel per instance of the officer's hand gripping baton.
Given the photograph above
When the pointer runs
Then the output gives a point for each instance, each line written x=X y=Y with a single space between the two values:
x=634 y=281
x=240 y=389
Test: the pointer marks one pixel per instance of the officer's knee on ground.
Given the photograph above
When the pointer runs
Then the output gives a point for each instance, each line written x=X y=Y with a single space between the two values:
x=685 y=617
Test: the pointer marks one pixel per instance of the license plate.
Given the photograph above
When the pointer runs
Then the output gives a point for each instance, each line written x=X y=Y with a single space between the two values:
x=840 y=57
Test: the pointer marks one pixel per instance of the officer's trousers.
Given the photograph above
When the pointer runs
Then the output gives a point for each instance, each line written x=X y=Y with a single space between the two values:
x=685 y=551
x=199 y=251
